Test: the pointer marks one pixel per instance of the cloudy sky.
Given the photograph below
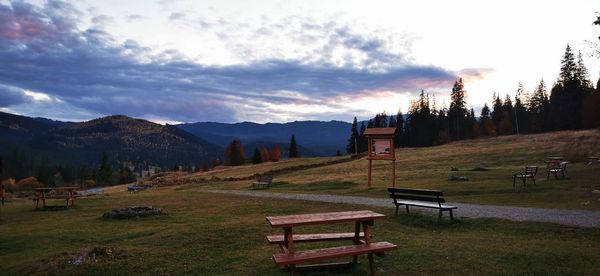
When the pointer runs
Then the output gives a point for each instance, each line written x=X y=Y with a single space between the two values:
x=277 y=60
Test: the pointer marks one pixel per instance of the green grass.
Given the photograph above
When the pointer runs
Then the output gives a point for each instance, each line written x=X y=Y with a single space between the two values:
x=212 y=234
x=429 y=168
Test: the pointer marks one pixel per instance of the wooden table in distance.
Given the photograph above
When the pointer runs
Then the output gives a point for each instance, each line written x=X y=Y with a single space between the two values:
x=362 y=244
x=42 y=194
x=553 y=161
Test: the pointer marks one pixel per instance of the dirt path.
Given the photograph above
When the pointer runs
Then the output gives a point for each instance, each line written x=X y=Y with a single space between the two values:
x=566 y=217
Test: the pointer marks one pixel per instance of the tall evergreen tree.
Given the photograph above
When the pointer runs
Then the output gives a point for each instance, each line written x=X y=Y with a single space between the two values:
x=362 y=141
x=568 y=66
x=399 y=139
x=509 y=111
x=497 y=110
x=521 y=115
x=581 y=73
x=293 y=151
x=485 y=122
x=392 y=121
x=457 y=114
x=256 y=157
x=105 y=171
x=352 y=145
x=538 y=108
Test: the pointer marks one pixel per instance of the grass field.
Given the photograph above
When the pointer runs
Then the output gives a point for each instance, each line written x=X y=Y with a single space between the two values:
x=211 y=234
x=214 y=234
x=430 y=168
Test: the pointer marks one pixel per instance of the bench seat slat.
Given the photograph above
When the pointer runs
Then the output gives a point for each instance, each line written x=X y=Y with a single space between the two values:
x=332 y=252
x=314 y=237
x=424 y=204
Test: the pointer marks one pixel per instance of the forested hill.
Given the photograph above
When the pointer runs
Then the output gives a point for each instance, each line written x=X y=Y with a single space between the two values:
x=122 y=138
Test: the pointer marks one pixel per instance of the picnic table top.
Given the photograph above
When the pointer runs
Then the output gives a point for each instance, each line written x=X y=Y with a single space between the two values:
x=323 y=218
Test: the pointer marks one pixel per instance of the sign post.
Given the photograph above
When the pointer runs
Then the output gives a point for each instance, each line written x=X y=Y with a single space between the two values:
x=380 y=143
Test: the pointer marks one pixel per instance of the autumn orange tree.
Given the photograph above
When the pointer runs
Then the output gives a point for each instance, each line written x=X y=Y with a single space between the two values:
x=275 y=153
x=265 y=155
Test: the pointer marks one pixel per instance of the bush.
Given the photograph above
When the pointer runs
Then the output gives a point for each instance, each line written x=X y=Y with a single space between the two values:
x=28 y=184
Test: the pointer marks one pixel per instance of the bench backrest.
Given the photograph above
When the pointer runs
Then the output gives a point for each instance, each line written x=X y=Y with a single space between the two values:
x=265 y=178
x=563 y=165
x=417 y=195
x=531 y=170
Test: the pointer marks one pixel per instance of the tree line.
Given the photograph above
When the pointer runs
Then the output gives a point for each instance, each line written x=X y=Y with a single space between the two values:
x=234 y=153
x=572 y=104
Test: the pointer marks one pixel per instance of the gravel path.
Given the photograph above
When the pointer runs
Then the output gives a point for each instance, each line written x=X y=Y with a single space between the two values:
x=566 y=217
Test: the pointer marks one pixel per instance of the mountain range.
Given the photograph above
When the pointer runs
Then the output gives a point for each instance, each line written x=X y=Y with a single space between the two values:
x=315 y=138
x=142 y=142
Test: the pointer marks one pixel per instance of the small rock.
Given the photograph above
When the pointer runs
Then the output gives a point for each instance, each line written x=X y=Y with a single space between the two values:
x=458 y=178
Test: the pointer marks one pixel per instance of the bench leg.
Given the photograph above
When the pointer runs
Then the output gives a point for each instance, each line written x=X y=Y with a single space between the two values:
x=533 y=178
x=397 y=209
x=440 y=216
x=407 y=211
x=451 y=216
x=514 y=179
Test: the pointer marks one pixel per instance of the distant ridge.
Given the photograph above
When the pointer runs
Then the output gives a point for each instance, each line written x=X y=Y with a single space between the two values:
x=319 y=138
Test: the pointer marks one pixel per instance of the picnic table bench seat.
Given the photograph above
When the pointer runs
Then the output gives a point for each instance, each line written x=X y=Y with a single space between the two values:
x=331 y=252
x=420 y=198
x=262 y=182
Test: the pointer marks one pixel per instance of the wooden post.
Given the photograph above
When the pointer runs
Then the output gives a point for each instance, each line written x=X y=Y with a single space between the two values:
x=370 y=163
x=394 y=172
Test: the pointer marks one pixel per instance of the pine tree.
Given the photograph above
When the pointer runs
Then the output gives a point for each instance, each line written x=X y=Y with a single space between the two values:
x=392 y=121
x=458 y=112
x=362 y=141
x=521 y=115
x=568 y=66
x=352 y=145
x=581 y=73
x=399 y=139
x=293 y=151
x=235 y=153
x=105 y=171
x=256 y=157
x=485 y=122
x=537 y=108
x=497 y=110
x=509 y=110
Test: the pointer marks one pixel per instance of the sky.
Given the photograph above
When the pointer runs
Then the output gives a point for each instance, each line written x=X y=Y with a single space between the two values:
x=172 y=61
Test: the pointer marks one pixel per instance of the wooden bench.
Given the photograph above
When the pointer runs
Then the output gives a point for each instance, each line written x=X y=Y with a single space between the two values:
x=262 y=182
x=562 y=166
x=420 y=198
x=530 y=172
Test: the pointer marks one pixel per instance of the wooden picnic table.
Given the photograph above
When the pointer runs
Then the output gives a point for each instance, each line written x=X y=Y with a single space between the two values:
x=289 y=257
x=553 y=161
x=42 y=194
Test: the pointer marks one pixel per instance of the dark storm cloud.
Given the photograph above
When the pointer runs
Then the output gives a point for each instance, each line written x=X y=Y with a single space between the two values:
x=42 y=50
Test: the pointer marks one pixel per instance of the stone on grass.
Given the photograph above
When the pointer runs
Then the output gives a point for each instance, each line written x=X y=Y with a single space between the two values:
x=458 y=178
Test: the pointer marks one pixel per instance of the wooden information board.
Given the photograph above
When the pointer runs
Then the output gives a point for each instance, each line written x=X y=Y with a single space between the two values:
x=381 y=147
